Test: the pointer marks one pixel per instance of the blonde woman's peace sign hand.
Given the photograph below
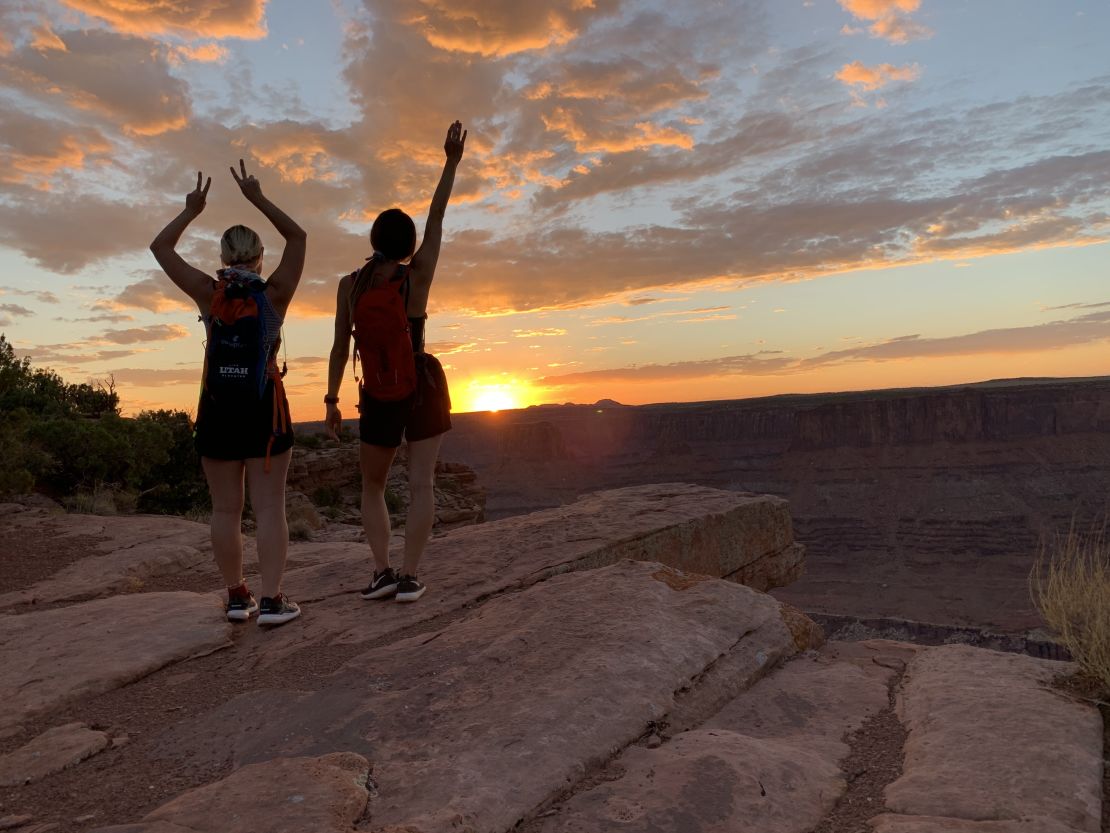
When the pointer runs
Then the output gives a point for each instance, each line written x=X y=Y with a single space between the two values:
x=250 y=186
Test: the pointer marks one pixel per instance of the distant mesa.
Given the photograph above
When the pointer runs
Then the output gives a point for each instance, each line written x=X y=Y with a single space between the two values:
x=608 y=403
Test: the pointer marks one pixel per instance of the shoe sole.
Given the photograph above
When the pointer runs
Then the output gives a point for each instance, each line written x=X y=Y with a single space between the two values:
x=380 y=593
x=272 y=619
x=241 y=615
x=411 y=597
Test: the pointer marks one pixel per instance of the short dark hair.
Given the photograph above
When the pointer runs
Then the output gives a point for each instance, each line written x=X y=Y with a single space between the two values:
x=394 y=234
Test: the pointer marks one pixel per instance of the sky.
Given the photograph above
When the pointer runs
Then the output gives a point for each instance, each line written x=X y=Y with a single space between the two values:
x=658 y=202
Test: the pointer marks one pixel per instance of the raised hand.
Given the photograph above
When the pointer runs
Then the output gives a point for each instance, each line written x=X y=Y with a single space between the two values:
x=195 y=199
x=455 y=142
x=250 y=186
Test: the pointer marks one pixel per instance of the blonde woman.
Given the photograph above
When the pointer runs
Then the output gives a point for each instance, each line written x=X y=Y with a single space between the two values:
x=403 y=391
x=243 y=426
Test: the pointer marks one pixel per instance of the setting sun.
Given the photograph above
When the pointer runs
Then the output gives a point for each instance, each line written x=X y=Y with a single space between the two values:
x=499 y=395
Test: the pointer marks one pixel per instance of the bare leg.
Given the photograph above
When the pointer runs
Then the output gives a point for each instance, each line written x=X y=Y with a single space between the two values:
x=422 y=502
x=375 y=461
x=225 y=482
x=267 y=491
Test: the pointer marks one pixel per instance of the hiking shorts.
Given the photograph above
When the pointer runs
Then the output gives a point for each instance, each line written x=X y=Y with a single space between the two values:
x=421 y=416
x=242 y=432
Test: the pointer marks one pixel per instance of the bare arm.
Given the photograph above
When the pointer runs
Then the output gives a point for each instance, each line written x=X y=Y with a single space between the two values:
x=425 y=259
x=284 y=280
x=337 y=361
x=189 y=279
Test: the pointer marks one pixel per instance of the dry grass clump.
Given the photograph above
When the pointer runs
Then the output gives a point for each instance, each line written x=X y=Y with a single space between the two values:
x=1070 y=585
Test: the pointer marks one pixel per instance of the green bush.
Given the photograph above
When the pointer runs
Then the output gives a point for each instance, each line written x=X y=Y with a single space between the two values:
x=70 y=442
x=327 y=496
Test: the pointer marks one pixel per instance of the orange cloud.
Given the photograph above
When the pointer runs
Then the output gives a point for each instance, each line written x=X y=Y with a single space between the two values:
x=205 y=53
x=496 y=28
x=188 y=18
x=33 y=150
x=146 y=98
x=868 y=78
x=609 y=138
x=890 y=19
x=43 y=38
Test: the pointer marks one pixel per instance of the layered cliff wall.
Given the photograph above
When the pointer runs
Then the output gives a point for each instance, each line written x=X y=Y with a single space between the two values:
x=926 y=504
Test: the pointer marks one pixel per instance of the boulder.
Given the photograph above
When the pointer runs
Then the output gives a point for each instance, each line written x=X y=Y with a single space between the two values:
x=691 y=528
x=54 y=657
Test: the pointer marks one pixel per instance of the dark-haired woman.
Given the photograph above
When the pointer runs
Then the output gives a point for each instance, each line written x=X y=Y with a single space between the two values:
x=251 y=434
x=395 y=275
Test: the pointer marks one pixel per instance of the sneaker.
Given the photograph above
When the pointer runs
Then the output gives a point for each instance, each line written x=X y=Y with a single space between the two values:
x=240 y=604
x=277 y=611
x=382 y=586
x=409 y=589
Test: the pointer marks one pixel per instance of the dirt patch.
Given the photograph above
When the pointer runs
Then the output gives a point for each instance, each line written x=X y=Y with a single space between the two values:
x=875 y=760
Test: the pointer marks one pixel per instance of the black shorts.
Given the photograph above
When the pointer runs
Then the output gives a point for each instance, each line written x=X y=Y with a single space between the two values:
x=425 y=414
x=241 y=432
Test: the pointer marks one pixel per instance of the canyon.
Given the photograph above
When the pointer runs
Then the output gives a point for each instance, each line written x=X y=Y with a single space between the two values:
x=926 y=505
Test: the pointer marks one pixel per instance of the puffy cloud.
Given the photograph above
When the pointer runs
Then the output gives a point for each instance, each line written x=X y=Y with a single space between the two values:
x=890 y=19
x=186 y=18
x=33 y=149
x=205 y=53
x=137 y=335
x=856 y=74
x=119 y=77
x=495 y=28
x=155 y=293
x=92 y=229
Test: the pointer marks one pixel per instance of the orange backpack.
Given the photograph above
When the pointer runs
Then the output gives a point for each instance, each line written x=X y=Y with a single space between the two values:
x=383 y=339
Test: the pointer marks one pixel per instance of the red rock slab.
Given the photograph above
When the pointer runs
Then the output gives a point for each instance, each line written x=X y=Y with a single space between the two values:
x=692 y=528
x=54 y=657
x=930 y=824
x=479 y=723
x=286 y=795
x=991 y=740
x=812 y=703
x=52 y=751
x=707 y=781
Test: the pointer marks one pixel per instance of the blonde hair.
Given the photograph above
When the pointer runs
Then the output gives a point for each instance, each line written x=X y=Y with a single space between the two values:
x=240 y=246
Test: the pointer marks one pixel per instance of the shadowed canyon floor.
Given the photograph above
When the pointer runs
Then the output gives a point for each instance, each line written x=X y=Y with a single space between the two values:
x=611 y=664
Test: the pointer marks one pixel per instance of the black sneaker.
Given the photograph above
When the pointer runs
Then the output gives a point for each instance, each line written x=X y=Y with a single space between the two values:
x=409 y=589
x=382 y=586
x=240 y=604
x=277 y=611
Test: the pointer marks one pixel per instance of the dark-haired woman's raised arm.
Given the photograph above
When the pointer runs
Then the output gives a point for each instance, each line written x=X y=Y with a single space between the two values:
x=426 y=257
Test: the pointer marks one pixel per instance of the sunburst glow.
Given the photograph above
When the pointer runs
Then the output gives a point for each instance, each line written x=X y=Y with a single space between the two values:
x=498 y=394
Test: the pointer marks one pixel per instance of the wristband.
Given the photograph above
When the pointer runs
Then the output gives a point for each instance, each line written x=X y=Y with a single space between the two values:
x=331 y=400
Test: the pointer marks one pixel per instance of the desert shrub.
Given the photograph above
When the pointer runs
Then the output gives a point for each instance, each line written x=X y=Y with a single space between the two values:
x=299 y=530
x=1070 y=585
x=327 y=496
x=310 y=440
x=393 y=502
